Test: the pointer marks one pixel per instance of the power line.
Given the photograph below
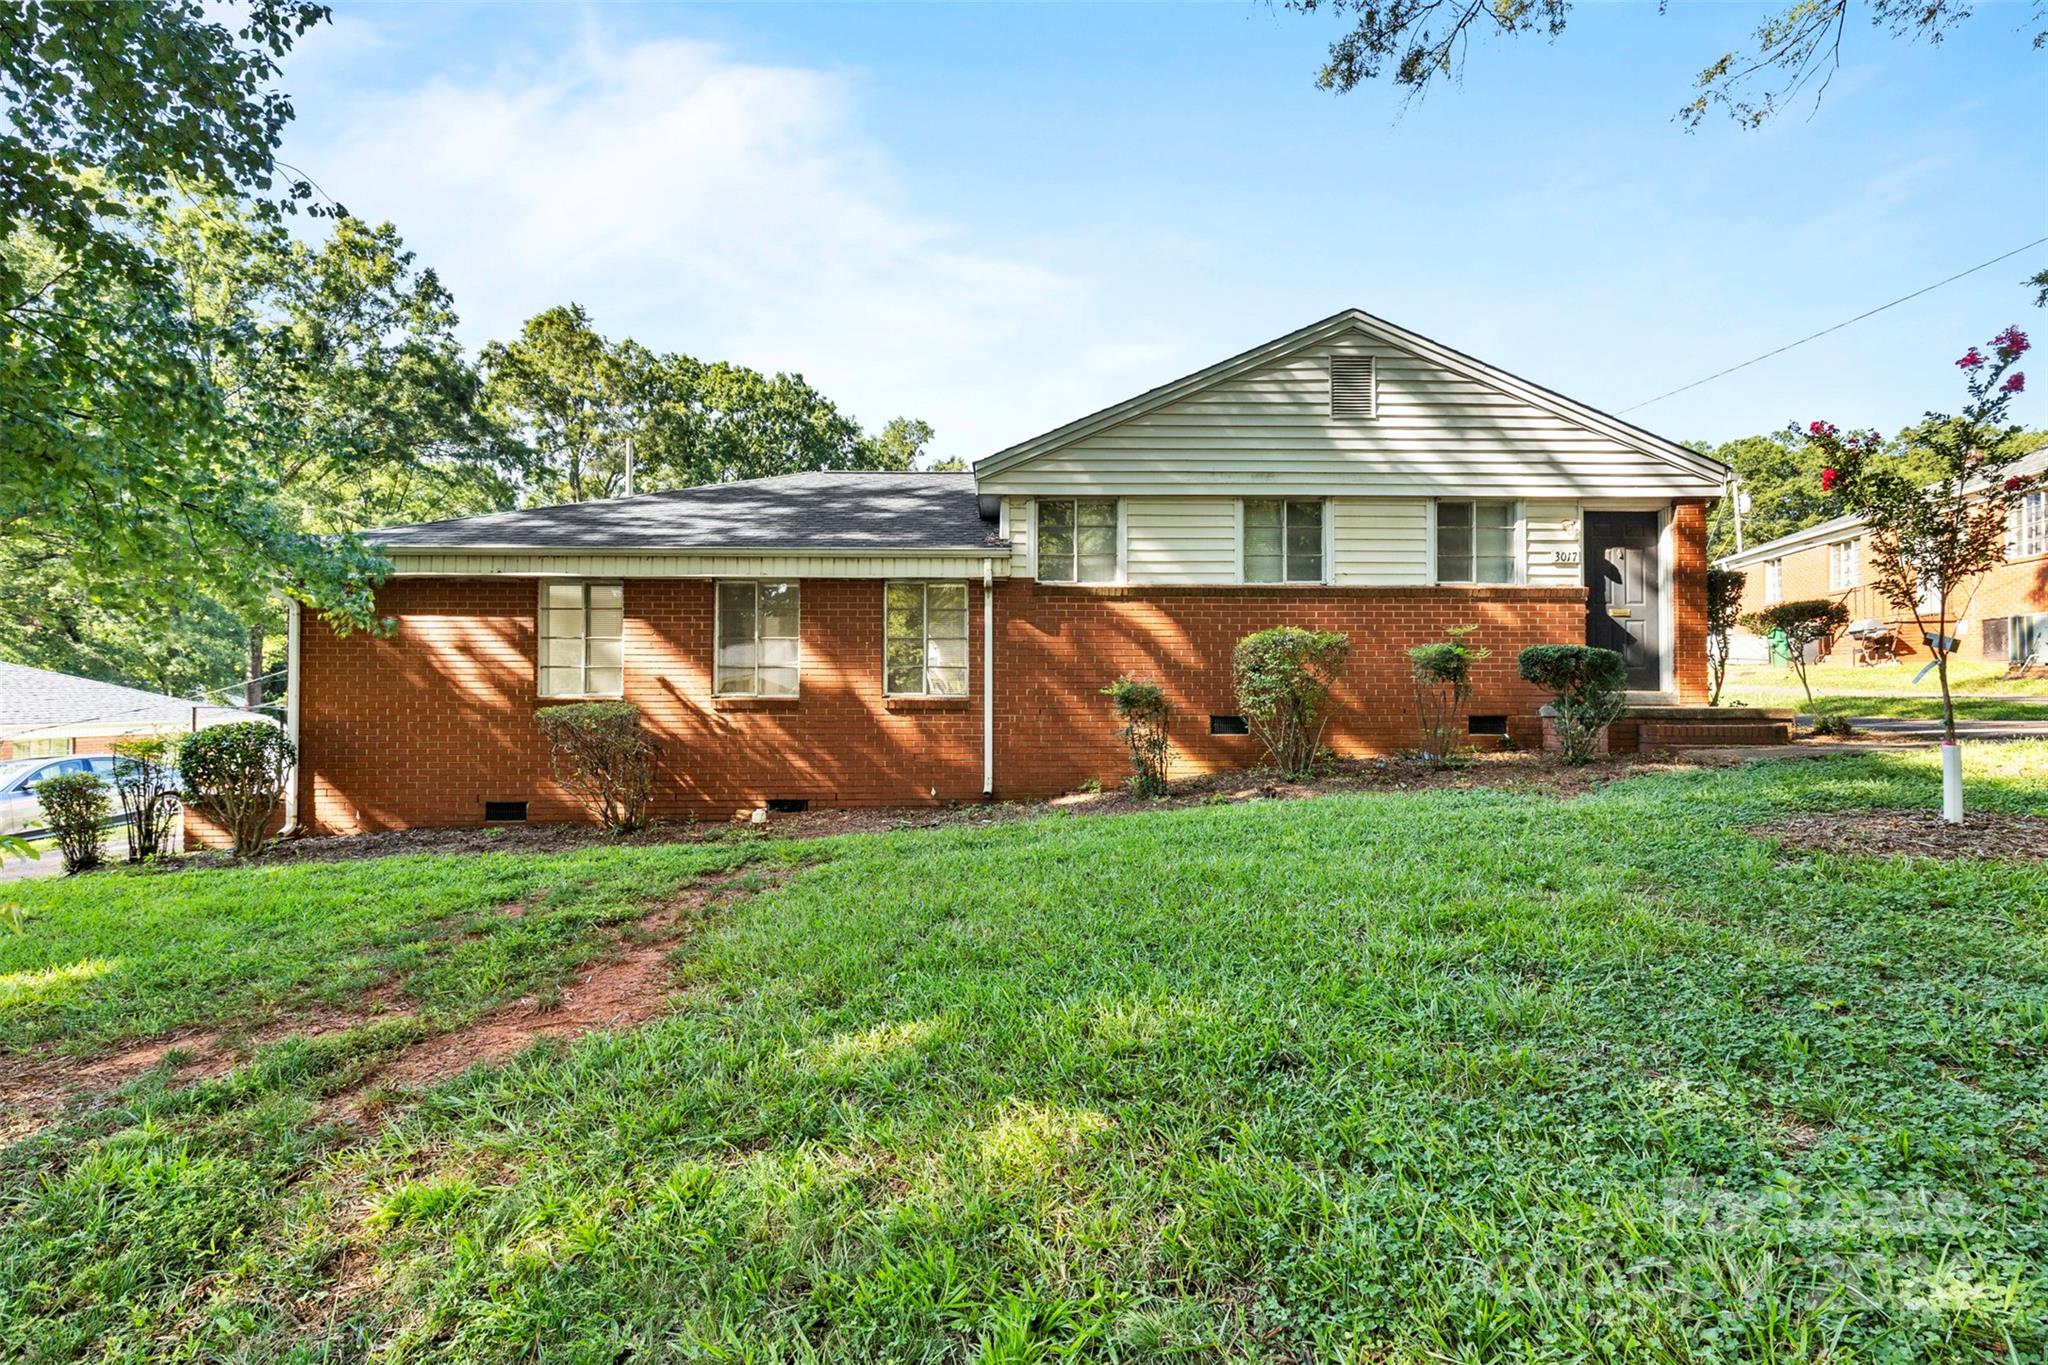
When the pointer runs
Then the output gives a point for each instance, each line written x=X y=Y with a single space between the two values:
x=1836 y=328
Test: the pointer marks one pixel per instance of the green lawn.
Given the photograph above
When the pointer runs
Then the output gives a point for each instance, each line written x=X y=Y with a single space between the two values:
x=1461 y=1075
x=1982 y=691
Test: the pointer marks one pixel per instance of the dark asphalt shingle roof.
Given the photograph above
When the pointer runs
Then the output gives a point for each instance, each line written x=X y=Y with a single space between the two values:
x=38 y=702
x=819 y=511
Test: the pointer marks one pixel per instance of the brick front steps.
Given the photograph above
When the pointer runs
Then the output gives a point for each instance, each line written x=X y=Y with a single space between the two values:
x=1647 y=729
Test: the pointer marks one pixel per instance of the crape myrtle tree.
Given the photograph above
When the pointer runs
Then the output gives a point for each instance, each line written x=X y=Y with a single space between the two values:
x=1724 y=606
x=1928 y=539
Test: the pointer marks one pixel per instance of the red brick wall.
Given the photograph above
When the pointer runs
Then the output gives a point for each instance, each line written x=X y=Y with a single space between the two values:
x=1689 y=601
x=425 y=725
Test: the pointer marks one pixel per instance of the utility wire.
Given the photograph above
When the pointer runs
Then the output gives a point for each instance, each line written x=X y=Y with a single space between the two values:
x=1836 y=328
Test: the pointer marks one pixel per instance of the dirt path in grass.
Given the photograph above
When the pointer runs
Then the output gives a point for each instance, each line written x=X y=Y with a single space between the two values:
x=624 y=988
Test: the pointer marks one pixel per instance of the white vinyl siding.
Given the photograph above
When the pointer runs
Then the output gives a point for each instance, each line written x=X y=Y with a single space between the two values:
x=1079 y=540
x=582 y=645
x=1019 y=510
x=924 y=640
x=1845 y=564
x=758 y=645
x=1475 y=541
x=1379 y=541
x=1180 y=541
x=1554 y=556
x=691 y=564
x=1286 y=540
x=1268 y=433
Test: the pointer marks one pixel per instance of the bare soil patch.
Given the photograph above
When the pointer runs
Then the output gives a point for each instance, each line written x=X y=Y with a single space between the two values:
x=1922 y=833
x=1537 y=773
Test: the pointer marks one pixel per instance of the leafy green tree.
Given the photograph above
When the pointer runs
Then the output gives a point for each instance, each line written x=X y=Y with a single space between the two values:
x=901 y=443
x=1418 y=43
x=53 y=621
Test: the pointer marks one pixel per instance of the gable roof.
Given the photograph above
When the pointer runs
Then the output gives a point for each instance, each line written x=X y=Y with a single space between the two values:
x=831 y=511
x=1356 y=320
x=2026 y=467
x=38 y=701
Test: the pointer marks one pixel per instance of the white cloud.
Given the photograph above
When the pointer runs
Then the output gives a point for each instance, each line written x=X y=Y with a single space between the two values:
x=729 y=209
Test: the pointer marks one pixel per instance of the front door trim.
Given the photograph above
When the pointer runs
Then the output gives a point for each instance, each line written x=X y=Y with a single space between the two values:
x=1668 y=682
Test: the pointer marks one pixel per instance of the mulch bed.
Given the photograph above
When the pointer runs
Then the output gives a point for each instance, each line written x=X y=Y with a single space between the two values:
x=1921 y=833
x=1534 y=773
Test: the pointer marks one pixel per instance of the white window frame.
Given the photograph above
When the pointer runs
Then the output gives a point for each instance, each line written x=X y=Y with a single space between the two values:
x=2026 y=526
x=1038 y=543
x=542 y=638
x=1517 y=537
x=62 y=747
x=1283 y=581
x=1845 y=564
x=925 y=586
x=1774 y=580
x=718 y=587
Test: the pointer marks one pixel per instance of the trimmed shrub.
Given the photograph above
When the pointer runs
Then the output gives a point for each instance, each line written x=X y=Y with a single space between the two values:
x=1144 y=713
x=1588 y=692
x=234 y=775
x=1283 y=678
x=146 y=778
x=1442 y=671
x=597 y=750
x=1800 y=625
x=1724 y=604
x=75 y=808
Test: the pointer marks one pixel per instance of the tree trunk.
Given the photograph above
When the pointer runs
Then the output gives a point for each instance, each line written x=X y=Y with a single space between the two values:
x=252 y=676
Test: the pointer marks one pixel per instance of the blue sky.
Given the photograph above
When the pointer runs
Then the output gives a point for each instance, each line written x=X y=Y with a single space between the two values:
x=999 y=218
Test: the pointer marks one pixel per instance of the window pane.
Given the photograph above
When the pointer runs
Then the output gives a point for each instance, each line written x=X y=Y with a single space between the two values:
x=1305 y=514
x=778 y=682
x=905 y=665
x=731 y=680
x=947 y=596
x=1096 y=513
x=606 y=622
x=1057 y=515
x=606 y=654
x=1058 y=569
x=1261 y=513
x=779 y=650
x=946 y=653
x=1097 y=541
x=1056 y=542
x=1496 y=541
x=948 y=682
x=1453 y=553
x=951 y=625
x=1098 y=568
x=1304 y=540
x=737 y=654
x=1305 y=568
x=560 y=682
x=1262 y=568
x=607 y=595
x=735 y=611
x=562 y=654
x=1454 y=514
x=1494 y=569
x=903 y=611
x=565 y=595
x=606 y=681
x=565 y=623
x=1495 y=514
x=778 y=609
x=1262 y=540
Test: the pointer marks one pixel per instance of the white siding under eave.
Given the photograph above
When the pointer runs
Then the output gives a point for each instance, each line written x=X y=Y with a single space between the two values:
x=1553 y=545
x=1180 y=540
x=1021 y=532
x=1269 y=432
x=453 y=563
x=1379 y=541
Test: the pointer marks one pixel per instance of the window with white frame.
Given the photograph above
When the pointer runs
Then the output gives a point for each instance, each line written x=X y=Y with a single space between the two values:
x=582 y=652
x=758 y=646
x=1283 y=540
x=1774 y=580
x=1845 y=563
x=1077 y=540
x=42 y=748
x=1475 y=542
x=2026 y=527
x=924 y=640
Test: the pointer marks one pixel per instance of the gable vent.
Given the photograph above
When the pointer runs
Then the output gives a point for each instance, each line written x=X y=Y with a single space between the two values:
x=1352 y=396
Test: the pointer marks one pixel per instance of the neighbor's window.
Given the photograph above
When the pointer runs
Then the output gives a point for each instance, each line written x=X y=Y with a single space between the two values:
x=1475 y=542
x=2026 y=527
x=1283 y=541
x=757 y=640
x=1077 y=540
x=581 y=649
x=1774 y=580
x=1845 y=563
x=924 y=640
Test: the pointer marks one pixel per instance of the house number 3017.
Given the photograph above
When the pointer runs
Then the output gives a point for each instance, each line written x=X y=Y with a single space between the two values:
x=1564 y=556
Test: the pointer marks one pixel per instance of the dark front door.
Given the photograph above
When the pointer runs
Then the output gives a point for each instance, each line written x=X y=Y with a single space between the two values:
x=1623 y=604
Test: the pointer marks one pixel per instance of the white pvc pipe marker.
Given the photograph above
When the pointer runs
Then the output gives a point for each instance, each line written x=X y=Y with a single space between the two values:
x=1951 y=782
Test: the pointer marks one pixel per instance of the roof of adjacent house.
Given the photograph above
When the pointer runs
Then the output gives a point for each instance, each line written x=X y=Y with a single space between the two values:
x=39 y=703
x=2028 y=466
x=838 y=510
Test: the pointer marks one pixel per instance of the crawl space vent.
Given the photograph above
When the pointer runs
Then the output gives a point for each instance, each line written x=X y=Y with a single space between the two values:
x=788 y=805
x=1486 y=725
x=1228 y=725
x=502 y=812
x=1352 y=390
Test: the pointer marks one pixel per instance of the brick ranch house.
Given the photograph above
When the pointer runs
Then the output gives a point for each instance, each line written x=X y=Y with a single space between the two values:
x=2000 y=616
x=839 y=639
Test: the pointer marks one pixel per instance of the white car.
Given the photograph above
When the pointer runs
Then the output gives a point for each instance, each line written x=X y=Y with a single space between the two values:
x=20 y=811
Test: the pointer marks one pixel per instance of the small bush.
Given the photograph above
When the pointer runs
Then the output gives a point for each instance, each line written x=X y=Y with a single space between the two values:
x=1442 y=671
x=75 y=809
x=1724 y=604
x=1588 y=692
x=1836 y=726
x=1800 y=625
x=145 y=776
x=235 y=774
x=1283 y=678
x=597 y=750
x=1145 y=713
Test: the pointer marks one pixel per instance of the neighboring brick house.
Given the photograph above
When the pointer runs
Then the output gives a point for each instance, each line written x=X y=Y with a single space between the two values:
x=2000 y=616
x=830 y=638
x=45 y=714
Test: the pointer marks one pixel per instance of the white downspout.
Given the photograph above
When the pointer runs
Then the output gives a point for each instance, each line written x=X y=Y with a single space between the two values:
x=988 y=677
x=291 y=717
